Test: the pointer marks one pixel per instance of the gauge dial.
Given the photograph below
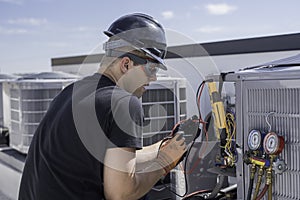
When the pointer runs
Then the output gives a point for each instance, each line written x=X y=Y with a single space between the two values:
x=273 y=144
x=254 y=140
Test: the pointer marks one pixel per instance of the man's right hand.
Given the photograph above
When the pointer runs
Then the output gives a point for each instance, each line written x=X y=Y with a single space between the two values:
x=171 y=152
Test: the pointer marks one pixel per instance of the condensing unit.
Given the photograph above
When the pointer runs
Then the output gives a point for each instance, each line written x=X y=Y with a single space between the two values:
x=30 y=97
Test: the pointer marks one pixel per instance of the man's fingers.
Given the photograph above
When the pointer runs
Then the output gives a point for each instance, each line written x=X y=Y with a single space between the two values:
x=180 y=139
x=178 y=135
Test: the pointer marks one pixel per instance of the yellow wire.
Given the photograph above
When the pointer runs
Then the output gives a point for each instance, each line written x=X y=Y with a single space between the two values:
x=231 y=135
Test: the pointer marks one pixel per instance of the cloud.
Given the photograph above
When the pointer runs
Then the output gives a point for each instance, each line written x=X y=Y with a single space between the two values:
x=209 y=29
x=28 y=21
x=12 y=31
x=220 y=9
x=167 y=14
x=17 y=2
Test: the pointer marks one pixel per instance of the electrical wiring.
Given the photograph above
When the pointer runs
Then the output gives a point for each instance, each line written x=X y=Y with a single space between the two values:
x=230 y=129
x=225 y=130
x=231 y=138
x=195 y=193
x=229 y=146
x=198 y=98
x=198 y=95
x=175 y=129
x=185 y=162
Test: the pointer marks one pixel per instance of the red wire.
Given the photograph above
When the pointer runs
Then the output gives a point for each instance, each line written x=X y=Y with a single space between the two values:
x=196 y=192
x=206 y=135
x=205 y=131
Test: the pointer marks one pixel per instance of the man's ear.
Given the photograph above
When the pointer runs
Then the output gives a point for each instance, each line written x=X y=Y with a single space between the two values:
x=125 y=64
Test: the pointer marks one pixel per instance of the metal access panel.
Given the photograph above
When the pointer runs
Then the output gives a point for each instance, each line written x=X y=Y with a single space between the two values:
x=259 y=92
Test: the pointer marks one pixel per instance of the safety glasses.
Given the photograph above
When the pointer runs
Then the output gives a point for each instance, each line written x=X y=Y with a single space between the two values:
x=150 y=67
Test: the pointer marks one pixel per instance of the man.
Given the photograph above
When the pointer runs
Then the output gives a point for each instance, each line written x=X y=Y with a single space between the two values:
x=89 y=143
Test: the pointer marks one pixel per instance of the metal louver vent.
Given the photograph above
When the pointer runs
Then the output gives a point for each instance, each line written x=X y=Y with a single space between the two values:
x=285 y=102
x=164 y=104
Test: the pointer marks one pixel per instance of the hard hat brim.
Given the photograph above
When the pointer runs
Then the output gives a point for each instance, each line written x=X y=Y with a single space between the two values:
x=157 y=58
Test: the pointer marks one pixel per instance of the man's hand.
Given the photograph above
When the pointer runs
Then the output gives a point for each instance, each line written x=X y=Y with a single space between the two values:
x=171 y=152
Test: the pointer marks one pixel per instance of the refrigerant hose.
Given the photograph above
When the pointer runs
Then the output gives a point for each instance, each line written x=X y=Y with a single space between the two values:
x=270 y=192
x=252 y=175
x=217 y=188
x=259 y=179
x=263 y=192
x=250 y=189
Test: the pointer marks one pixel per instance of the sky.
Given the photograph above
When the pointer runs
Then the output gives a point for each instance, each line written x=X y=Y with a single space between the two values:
x=34 y=31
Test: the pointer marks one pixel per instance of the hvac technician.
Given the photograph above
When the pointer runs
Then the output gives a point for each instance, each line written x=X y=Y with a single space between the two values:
x=89 y=143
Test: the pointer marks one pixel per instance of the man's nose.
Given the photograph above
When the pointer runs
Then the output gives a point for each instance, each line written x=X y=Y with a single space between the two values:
x=153 y=78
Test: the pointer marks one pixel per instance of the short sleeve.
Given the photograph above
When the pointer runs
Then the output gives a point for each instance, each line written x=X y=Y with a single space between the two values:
x=120 y=115
x=127 y=122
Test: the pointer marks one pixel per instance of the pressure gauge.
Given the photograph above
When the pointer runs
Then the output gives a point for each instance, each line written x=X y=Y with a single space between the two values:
x=273 y=144
x=254 y=140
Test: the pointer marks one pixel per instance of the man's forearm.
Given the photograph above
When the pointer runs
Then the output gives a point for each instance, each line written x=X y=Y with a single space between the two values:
x=122 y=180
x=136 y=184
x=146 y=178
x=145 y=156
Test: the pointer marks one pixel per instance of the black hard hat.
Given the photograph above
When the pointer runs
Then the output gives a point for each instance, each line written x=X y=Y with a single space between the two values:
x=140 y=31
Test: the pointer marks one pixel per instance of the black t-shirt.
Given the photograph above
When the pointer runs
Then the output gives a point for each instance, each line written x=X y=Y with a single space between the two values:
x=64 y=161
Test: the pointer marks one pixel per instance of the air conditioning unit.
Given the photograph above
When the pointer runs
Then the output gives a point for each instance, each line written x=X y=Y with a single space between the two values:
x=4 y=108
x=30 y=97
x=269 y=99
x=164 y=104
